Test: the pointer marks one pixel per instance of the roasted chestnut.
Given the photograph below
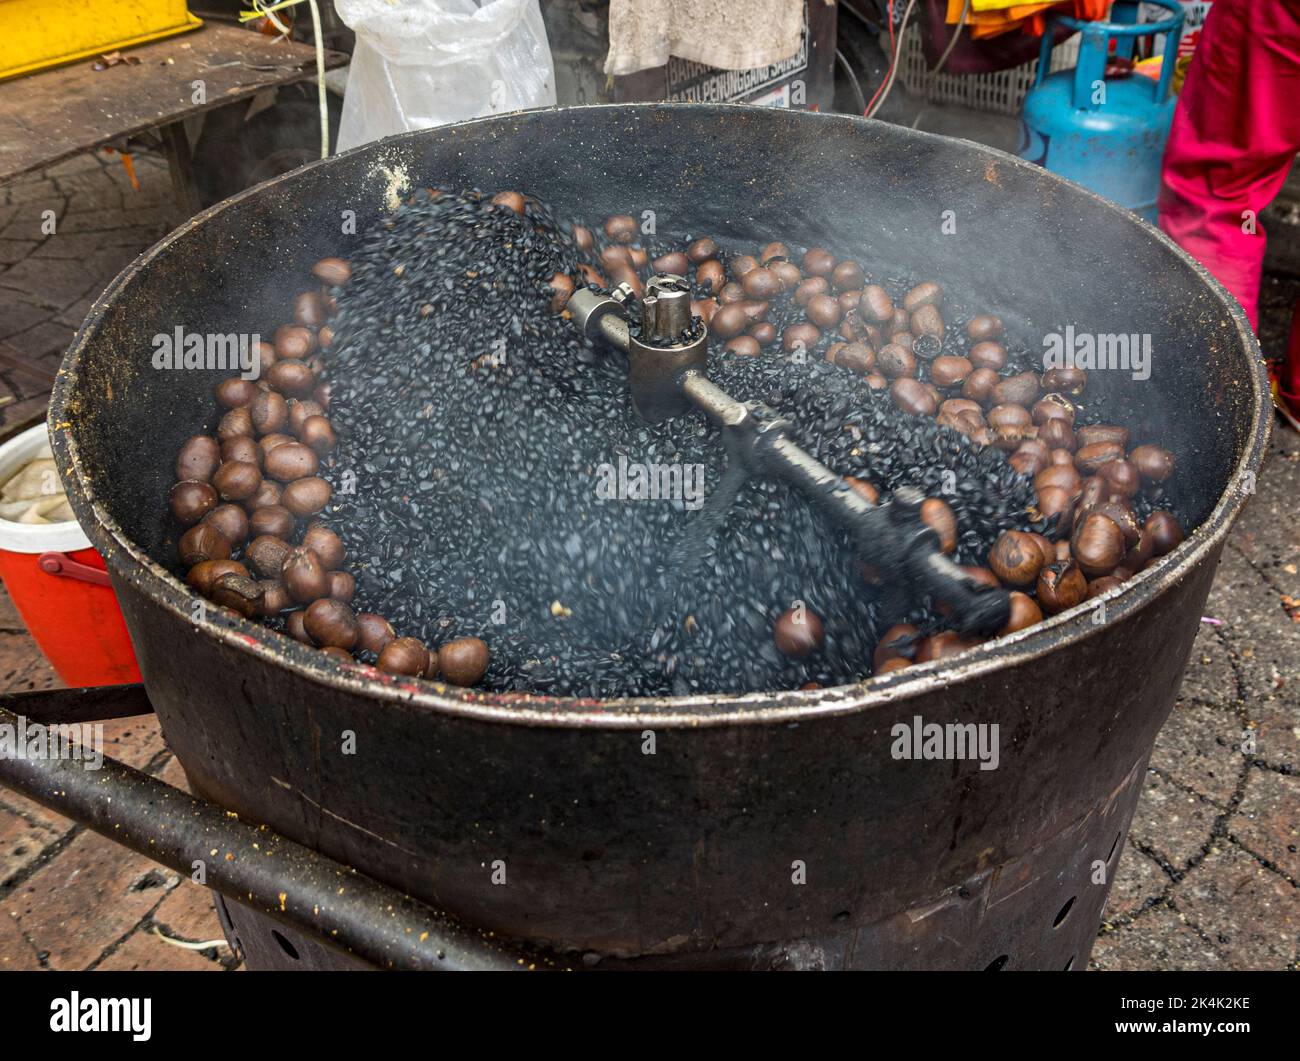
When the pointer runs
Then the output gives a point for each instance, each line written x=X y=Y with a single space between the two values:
x=1016 y=558
x=983 y=327
x=824 y=311
x=1008 y=415
x=463 y=661
x=740 y=265
x=373 y=632
x=846 y=276
x=1153 y=463
x=1065 y=380
x=913 y=397
x=1097 y=544
x=275 y=597
x=1060 y=586
x=979 y=385
x=788 y=273
x=235 y=423
x=898 y=642
x=1062 y=475
x=306 y=497
x=234 y=393
x=304 y=576
x=332 y=271
x=927 y=320
x=205 y=572
x=938 y=515
x=1020 y=389
x=199 y=457
x=237 y=592
x=675 y=264
x=895 y=362
x=331 y=622
x=926 y=293
x=1163 y=530
x=1024 y=613
x=710 y=274
x=1091 y=434
x=1057 y=433
x=761 y=284
x=818 y=262
x=1054 y=501
x=863 y=488
x=950 y=371
x=799 y=337
x=275 y=520
x=743 y=346
x=1105 y=584
x=808 y=290
x=988 y=355
x=856 y=357
x=621 y=228
x=231 y=521
x=764 y=332
x=1122 y=475
x=729 y=321
x=202 y=542
x=404 y=655
x=942 y=645
x=798 y=632
x=875 y=303
x=1053 y=406
x=191 y=500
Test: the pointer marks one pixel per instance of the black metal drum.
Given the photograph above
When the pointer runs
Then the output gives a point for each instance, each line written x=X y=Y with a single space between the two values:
x=772 y=830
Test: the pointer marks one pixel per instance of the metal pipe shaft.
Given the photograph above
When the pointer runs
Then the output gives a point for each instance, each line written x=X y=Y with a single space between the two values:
x=250 y=864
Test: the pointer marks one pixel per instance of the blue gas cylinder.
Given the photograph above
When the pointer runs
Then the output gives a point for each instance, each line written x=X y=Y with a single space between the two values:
x=1106 y=133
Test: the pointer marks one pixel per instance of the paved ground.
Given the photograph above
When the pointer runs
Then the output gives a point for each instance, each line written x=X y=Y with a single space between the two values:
x=1210 y=878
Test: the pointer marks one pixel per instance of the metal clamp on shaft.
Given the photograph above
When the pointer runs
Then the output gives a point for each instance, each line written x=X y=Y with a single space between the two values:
x=667 y=371
x=670 y=340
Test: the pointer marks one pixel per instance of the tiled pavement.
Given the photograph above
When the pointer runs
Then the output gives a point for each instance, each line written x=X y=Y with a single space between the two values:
x=48 y=281
x=70 y=899
x=1211 y=876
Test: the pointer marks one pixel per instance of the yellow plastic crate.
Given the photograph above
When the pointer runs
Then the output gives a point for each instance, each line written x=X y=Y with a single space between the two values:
x=43 y=33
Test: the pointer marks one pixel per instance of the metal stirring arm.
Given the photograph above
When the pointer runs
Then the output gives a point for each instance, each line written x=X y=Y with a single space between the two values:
x=667 y=364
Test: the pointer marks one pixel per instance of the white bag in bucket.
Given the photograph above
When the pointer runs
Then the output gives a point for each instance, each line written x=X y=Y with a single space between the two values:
x=420 y=63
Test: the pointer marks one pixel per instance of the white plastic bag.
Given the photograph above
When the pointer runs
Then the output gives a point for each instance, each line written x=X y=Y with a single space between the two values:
x=420 y=63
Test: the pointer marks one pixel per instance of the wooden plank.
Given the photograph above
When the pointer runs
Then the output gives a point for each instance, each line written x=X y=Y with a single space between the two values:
x=179 y=164
x=53 y=115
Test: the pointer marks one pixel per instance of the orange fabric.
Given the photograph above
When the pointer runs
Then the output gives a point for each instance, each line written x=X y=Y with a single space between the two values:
x=1029 y=18
x=1085 y=10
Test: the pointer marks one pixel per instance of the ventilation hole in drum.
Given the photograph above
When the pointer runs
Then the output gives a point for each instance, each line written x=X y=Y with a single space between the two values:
x=285 y=945
x=997 y=963
x=1070 y=964
x=1113 y=846
x=1065 y=912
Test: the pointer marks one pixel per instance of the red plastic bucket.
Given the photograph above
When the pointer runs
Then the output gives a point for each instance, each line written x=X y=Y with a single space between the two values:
x=60 y=587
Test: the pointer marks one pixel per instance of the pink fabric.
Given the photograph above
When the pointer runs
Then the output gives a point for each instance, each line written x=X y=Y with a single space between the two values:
x=1235 y=134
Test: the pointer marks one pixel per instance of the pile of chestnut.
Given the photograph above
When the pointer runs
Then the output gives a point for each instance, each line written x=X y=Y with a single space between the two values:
x=1085 y=476
x=249 y=495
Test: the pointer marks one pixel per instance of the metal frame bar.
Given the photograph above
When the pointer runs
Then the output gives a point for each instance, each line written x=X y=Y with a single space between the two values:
x=244 y=862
